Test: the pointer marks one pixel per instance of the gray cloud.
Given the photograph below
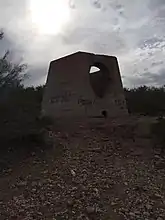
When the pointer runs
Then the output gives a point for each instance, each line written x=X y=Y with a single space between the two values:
x=149 y=79
x=156 y=4
x=36 y=76
x=157 y=63
x=153 y=42
x=135 y=34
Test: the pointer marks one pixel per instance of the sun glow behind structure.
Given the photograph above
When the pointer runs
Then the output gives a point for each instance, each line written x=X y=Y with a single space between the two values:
x=49 y=16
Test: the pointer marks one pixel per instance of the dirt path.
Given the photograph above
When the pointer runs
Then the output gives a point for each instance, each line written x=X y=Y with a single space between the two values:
x=99 y=174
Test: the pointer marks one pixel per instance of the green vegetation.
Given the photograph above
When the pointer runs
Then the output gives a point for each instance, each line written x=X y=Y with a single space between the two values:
x=20 y=120
x=158 y=132
x=146 y=100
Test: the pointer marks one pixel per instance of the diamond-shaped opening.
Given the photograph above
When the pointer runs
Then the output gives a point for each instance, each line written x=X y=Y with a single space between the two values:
x=94 y=69
x=99 y=79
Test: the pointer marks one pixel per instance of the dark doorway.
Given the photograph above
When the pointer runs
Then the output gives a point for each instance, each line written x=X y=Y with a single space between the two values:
x=104 y=113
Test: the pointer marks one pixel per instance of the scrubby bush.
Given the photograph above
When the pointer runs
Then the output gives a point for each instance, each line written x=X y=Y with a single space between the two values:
x=20 y=107
x=146 y=100
x=158 y=133
x=20 y=119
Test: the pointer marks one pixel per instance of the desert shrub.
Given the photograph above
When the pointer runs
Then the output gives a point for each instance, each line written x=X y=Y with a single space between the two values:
x=146 y=100
x=158 y=133
x=20 y=120
x=20 y=107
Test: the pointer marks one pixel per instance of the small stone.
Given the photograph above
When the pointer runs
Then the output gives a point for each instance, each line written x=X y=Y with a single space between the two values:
x=34 y=190
x=159 y=218
x=90 y=210
x=42 y=197
x=9 y=170
x=39 y=213
x=158 y=195
x=73 y=173
x=21 y=211
x=34 y=184
x=70 y=203
x=113 y=203
x=146 y=213
x=39 y=184
x=148 y=206
x=33 y=154
x=22 y=183
x=45 y=171
x=132 y=214
x=137 y=152
x=137 y=212
x=82 y=217
x=96 y=192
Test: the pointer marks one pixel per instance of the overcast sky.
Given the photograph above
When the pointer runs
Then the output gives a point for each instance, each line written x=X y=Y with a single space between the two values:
x=38 y=31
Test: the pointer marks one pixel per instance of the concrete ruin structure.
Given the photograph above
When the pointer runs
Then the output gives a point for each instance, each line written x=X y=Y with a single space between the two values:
x=73 y=92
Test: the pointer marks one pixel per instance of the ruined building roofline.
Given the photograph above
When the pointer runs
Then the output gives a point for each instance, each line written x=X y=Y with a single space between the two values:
x=82 y=53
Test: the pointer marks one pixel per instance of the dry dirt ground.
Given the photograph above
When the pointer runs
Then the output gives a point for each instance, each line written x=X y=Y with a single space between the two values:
x=100 y=172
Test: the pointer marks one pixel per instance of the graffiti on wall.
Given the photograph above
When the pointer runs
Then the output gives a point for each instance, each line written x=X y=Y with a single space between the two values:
x=62 y=98
x=84 y=102
x=120 y=103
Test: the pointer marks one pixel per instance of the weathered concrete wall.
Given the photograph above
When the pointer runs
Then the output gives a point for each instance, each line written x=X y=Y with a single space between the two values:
x=70 y=88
